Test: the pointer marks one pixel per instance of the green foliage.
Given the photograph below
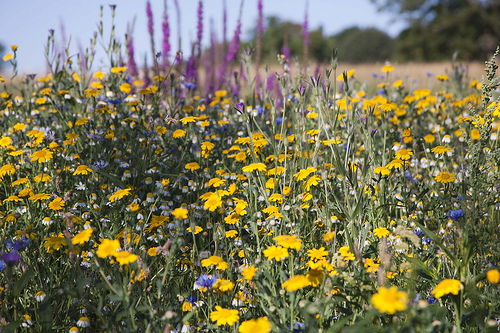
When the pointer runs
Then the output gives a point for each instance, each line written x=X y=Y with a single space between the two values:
x=357 y=45
x=437 y=29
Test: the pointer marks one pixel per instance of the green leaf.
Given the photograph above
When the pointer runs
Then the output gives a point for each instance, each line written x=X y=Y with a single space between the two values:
x=436 y=240
x=12 y=326
x=19 y=286
x=112 y=178
x=45 y=313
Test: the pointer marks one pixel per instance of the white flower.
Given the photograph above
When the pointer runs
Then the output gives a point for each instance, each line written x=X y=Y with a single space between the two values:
x=83 y=322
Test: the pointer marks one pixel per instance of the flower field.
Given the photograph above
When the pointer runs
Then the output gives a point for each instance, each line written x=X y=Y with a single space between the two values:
x=147 y=201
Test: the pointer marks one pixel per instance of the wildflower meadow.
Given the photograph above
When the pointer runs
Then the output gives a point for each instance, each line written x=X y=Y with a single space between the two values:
x=209 y=193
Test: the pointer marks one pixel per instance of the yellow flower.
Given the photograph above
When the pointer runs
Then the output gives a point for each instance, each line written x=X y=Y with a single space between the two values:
x=180 y=213
x=224 y=316
x=254 y=166
x=7 y=169
x=213 y=202
x=82 y=170
x=312 y=181
x=125 y=88
x=304 y=173
x=445 y=177
x=39 y=197
x=249 y=272
x=315 y=277
x=223 y=285
x=41 y=156
x=57 y=204
x=82 y=237
x=387 y=68
x=404 y=154
x=381 y=232
x=259 y=325
x=125 y=257
x=275 y=252
x=118 y=70
x=7 y=57
x=442 y=77
x=493 y=276
x=318 y=254
x=346 y=253
x=215 y=261
x=440 y=150
x=192 y=166
x=99 y=75
x=231 y=233
x=448 y=286
x=54 y=242
x=119 y=194
x=382 y=171
x=289 y=242
x=43 y=177
x=390 y=300
x=296 y=282
x=5 y=141
x=107 y=248
x=179 y=133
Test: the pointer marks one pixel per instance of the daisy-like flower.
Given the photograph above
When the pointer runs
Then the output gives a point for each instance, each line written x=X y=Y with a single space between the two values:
x=54 y=242
x=82 y=170
x=42 y=156
x=231 y=233
x=224 y=316
x=275 y=252
x=43 y=177
x=179 y=133
x=440 y=150
x=107 y=248
x=192 y=166
x=254 y=166
x=448 y=286
x=57 y=204
x=445 y=177
x=119 y=194
x=180 y=213
x=259 y=325
x=387 y=68
x=315 y=276
x=346 y=253
x=224 y=285
x=289 y=242
x=40 y=296
x=82 y=237
x=213 y=202
x=296 y=282
x=83 y=322
x=125 y=257
x=382 y=171
x=304 y=173
x=395 y=164
x=249 y=272
x=381 y=232
x=390 y=300
x=215 y=261
x=317 y=254
x=442 y=77
x=404 y=154
x=7 y=169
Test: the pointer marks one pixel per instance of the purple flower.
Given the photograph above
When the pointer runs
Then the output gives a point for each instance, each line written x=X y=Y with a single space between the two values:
x=10 y=258
x=302 y=90
x=235 y=43
x=149 y=13
x=199 y=35
x=239 y=107
x=131 y=61
x=166 y=37
x=18 y=245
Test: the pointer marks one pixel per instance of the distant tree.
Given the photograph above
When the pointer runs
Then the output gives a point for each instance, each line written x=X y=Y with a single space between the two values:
x=438 y=28
x=357 y=45
x=279 y=34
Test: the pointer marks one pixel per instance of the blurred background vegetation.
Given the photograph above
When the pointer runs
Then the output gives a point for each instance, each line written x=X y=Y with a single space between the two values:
x=436 y=29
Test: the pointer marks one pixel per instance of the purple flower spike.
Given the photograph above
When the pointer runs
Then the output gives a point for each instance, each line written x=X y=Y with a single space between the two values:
x=10 y=258
x=314 y=81
x=199 y=34
x=302 y=90
x=149 y=13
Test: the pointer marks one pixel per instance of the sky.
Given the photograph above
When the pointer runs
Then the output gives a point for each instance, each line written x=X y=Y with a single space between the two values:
x=26 y=23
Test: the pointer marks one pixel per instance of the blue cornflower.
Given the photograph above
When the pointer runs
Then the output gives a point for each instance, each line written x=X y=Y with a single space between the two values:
x=99 y=165
x=10 y=258
x=205 y=281
x=18 y=245
x=298 y=327
x=455 y=214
